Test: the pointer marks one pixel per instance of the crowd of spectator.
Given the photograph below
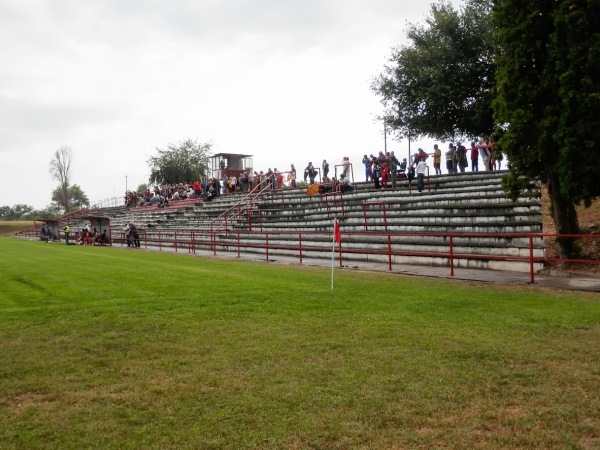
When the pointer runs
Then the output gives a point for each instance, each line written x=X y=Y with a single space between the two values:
x=386 y=168
x=383 y=170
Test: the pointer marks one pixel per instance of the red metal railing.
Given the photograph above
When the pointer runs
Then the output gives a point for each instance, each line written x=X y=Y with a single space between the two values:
x=240 y=207
x=299 y=243
x=335 y=196
x=383 y=208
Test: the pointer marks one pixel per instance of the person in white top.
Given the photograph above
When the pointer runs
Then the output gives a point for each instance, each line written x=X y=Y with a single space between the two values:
x=421 y=169
x=485 y=153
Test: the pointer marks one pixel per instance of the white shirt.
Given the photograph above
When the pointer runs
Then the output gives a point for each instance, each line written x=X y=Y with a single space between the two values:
x=422 y=167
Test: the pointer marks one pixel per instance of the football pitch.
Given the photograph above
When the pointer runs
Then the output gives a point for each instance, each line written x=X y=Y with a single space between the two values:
x=120 y=348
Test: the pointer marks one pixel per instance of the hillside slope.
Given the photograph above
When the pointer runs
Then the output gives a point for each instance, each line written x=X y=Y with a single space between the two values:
x=589 y=223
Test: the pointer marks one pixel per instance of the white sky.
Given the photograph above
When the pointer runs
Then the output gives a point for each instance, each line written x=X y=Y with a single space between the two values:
x=287 y=81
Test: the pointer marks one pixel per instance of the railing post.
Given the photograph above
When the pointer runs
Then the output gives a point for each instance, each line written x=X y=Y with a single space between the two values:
x=214 y=242
x=267 y=244
x=385 y=220
x=300 y=246
x=159 y=242
x=531 y=275
x=365 y=216
x=451 y=257
x=238 y=243
x=175 y=241
x=389 y=252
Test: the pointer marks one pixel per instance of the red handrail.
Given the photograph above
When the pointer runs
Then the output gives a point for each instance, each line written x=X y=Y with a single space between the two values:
x=246 y=241
x=218 y=222
x=382 y=204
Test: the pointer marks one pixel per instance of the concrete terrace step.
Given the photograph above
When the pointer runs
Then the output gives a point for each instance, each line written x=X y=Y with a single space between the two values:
x=463 y=203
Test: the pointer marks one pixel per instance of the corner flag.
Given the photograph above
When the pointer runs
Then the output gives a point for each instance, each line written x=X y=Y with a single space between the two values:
x=337 y=234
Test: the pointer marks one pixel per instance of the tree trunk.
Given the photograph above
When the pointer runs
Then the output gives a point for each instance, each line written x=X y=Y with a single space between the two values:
x=65 y=193
x=565 y=217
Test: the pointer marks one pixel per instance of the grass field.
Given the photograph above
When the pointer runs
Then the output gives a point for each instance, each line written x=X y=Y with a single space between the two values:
x=118 y=348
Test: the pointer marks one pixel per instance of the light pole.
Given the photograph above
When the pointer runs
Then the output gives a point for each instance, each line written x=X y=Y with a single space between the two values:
x=385 y=135
x=125 y=184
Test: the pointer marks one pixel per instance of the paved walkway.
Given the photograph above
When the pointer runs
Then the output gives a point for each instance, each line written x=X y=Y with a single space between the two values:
x=557 y=280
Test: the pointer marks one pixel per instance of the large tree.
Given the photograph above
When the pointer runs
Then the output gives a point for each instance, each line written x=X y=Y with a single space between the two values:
x=185 y=162
x=60 y=168
x=440 y=84
x=548 y=100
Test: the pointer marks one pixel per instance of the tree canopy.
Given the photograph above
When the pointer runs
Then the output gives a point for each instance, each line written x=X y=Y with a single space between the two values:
x=440 y=85
x=548 y=98
x=76 y=197
x=185 y=162
x=27 y=212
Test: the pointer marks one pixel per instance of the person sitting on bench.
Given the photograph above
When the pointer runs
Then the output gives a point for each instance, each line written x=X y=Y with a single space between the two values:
x=45 y=233
x=345 y=185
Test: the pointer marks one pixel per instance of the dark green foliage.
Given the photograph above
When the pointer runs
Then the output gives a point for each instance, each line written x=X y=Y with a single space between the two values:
x=548 y=95
x=77 y=199
x=185 y=162
x=27 y=212
x=440 y=85
x=142 y=187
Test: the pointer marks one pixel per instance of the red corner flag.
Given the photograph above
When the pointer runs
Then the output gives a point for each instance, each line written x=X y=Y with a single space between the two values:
x=337 y=234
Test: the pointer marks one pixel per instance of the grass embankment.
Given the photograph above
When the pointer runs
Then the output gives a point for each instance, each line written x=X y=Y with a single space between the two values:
x=115 y=348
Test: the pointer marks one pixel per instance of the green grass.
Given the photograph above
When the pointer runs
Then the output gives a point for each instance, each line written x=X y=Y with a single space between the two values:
x=118 y=348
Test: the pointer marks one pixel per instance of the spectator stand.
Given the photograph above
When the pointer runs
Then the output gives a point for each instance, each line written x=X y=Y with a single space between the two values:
x=335 y=196
x=255 y=213
x=274 y=193
x=238 y=209
x=365 y=205
x=102 y=224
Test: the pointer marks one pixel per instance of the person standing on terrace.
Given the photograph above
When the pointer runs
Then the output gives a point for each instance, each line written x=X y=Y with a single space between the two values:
x=367 y=163
x=474 y=157
x=292 y=176
x=484 y=152
x=346 y=167
x=450 y=158
x=437 y=159
x=325 y=168
x=311 y=172
x=421 y=169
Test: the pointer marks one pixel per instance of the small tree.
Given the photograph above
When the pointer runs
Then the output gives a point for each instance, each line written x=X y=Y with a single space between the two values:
x=185 y=162
x=60 y=168
x=142 y=188
x=75 y=196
